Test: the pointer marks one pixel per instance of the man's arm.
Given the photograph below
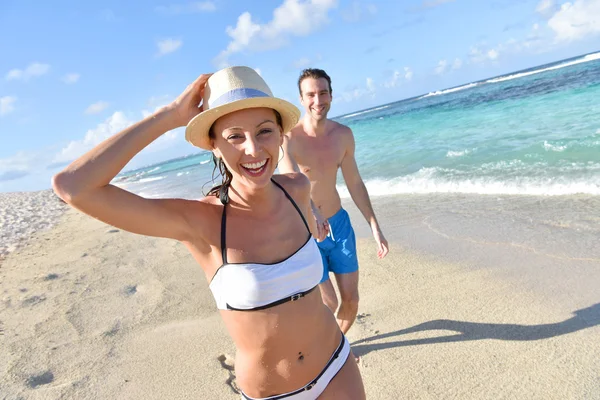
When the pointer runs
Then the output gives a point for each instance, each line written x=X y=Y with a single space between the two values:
x=359 y=194
x=287 y=165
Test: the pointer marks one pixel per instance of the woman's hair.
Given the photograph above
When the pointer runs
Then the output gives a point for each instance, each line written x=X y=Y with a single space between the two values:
x=222 y=190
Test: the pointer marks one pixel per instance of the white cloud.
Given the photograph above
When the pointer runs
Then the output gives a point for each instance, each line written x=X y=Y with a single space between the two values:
x=7 y=105
x=370 y=85
x=481 y=55
x=17 y=166
x=301 y=63
x=441 y=67
x=165 y=141
x=167 y=46
x=115 y=123
x=546 y=7
x=395 y=80
x=529 y=43
x=351 y=95
x=292 y=18
x=492 y=54
x=457 y=64
x=70 y=79
x=96 y=107
x=189 y=8
x=33 y=70
x=576 y=20
x=111 y=126
x=357 y=10
x=357 y=93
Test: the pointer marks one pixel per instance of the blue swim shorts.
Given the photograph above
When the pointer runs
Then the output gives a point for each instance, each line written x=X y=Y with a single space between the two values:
x=338 y=250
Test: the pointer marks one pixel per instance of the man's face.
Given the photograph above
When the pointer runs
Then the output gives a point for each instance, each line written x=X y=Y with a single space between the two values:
x=316 y=97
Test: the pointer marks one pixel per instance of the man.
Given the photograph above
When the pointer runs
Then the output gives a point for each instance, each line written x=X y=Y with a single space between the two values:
x=318 y=147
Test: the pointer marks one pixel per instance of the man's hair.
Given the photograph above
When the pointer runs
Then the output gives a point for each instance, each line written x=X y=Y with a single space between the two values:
x=314 y=73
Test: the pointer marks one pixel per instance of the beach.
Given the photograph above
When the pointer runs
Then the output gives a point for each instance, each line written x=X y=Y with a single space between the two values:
x=488 y=194
x=481 y=296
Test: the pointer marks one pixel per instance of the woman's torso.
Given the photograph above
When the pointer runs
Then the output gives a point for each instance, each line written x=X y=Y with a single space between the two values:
x=283 y=347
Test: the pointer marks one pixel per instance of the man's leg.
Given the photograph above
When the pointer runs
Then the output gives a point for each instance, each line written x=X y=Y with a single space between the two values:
x=343 y=262
x=348 y=287
x=328 y=294
x=327 y=291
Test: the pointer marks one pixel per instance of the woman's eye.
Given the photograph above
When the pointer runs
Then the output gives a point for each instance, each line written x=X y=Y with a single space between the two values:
x=265 y=131
x=233 y=137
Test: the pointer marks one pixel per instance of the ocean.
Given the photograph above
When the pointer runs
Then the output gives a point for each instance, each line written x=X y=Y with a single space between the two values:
x=531 y=132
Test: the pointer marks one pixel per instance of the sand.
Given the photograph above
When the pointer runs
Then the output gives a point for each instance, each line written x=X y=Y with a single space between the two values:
x=459 y=309
x=24 y=213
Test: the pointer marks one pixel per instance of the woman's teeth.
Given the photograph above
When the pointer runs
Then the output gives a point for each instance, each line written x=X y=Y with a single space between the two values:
x=255 y=165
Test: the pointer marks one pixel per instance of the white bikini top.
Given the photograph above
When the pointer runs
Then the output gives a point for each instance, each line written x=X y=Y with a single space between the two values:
x=255 y=286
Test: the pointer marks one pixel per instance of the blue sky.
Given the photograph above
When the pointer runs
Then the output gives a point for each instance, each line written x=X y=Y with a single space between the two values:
x=72 y=74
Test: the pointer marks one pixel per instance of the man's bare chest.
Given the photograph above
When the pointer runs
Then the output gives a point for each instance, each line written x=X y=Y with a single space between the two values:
x=318 y=153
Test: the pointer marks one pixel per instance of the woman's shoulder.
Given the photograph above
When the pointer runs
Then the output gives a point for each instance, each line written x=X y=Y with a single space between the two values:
x=296 y=183
x=204 y=214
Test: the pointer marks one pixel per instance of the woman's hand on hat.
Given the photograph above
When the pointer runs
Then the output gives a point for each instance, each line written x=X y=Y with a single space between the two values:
x=187 y=105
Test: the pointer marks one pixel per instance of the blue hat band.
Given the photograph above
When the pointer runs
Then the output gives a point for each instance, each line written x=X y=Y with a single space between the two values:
x=237 y=94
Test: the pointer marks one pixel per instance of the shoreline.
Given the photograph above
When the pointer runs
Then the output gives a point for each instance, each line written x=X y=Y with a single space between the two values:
x=89 y=311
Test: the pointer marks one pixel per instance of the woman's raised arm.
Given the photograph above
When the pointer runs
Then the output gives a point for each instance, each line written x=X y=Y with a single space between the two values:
x=85 y=183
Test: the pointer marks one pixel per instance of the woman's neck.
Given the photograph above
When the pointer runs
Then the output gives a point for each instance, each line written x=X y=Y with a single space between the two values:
x=253 y=198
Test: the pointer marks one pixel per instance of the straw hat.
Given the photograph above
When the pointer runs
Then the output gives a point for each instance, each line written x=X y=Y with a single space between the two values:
x=232 y=89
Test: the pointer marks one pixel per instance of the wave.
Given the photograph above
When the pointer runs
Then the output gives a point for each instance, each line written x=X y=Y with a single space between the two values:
x=428 y=180
x=364 y=112
x=553 y=147
x=156 y=178
x=588 y=58
x=204 y=162
x=461 y=153
x=451 y=90
x=386 y=188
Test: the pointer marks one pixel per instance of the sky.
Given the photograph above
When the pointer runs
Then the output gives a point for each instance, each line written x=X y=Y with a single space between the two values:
x=74 y=73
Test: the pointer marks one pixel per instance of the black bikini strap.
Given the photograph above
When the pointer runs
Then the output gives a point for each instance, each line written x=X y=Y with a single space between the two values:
x=223 y=234
x=293 y=203
x=224 y=221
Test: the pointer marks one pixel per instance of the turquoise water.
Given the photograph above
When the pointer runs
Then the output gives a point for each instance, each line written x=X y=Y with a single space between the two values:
x=531 y=132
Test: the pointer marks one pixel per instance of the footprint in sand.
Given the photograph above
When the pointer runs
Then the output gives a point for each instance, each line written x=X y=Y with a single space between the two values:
x=364 y=320
x=1 y=329
x=38 y=380
x=33 y=300
x=130 y=290
x=227 y=364
x=113 y=331
x=51 y=277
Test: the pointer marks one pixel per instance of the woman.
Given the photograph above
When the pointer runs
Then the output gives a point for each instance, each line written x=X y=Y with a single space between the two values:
x=251 y=235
